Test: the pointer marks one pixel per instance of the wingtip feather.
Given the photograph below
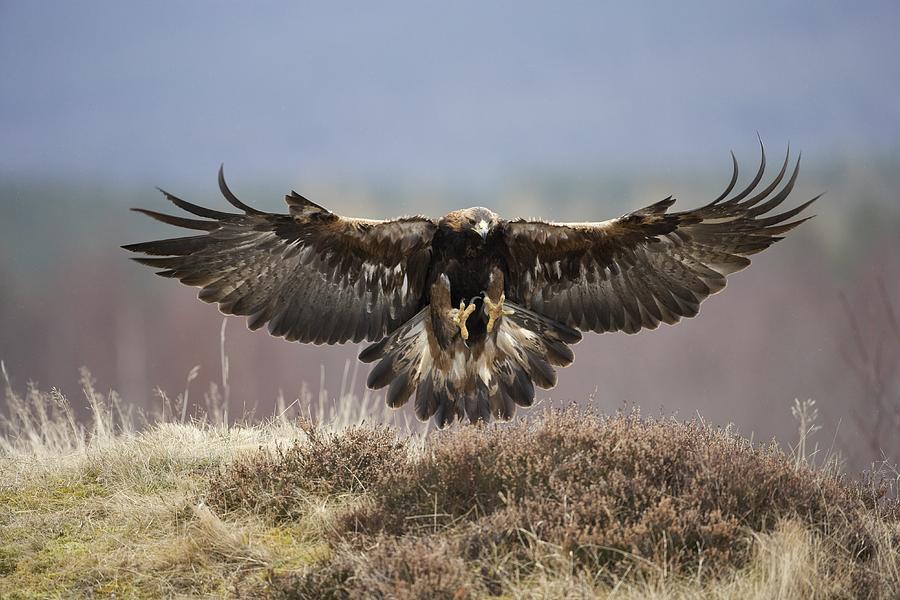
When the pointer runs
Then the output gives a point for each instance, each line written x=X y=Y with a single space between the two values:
x=231 y=198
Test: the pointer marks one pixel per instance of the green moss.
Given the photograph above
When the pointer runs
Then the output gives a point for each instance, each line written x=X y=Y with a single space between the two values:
x=9 y=558
x=56 y=496
x=55 y=569
x=49 y=549
x=294 y=548
x=58 y=538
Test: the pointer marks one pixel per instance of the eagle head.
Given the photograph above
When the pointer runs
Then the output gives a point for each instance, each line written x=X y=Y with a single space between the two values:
x=477 y=219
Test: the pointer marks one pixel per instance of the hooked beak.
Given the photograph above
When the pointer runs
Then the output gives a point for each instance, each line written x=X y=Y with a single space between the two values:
x=482 y=228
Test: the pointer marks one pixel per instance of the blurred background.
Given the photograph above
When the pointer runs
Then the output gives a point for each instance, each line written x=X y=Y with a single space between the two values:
x=570 y=111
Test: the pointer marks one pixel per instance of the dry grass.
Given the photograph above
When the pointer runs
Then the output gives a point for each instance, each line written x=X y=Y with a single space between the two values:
x=571 y=504
x=111 y=509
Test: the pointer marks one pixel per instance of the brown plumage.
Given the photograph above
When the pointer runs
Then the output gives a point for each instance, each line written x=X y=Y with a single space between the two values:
x=467 y=313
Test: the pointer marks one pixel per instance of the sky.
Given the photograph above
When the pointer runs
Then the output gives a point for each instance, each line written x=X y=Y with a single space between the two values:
x=437 y=92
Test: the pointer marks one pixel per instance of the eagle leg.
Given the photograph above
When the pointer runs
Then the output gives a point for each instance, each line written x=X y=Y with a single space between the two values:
x=495 y=310
x=460 y=315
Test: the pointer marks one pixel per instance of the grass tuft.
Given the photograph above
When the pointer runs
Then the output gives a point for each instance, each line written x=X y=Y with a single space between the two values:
x=315 y=471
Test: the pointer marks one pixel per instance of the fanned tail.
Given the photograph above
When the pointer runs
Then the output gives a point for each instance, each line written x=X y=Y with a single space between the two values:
x=485 y=379
x=524 y=352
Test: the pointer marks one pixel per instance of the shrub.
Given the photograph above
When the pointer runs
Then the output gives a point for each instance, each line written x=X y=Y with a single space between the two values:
x=388 y=567
x=609 y=495
x=322 y=464
x=605 y=488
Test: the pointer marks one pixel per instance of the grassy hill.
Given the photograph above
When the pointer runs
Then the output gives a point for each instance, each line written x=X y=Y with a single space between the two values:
x=567 y=504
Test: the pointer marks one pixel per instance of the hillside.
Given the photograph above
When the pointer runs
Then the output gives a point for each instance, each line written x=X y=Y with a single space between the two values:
x=568 y=504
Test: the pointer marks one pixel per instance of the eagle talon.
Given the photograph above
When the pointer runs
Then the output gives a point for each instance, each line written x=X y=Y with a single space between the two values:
x=495 y=310
x=460 y=315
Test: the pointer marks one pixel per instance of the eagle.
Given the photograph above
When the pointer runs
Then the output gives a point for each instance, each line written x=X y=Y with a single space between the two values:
x=471 y=311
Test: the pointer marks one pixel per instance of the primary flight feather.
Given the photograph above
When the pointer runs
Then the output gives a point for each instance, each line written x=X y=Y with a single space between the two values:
x=471 y=311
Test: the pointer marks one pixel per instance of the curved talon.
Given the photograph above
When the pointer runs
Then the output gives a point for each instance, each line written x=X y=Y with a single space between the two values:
x=495 y=310
x=460 y=315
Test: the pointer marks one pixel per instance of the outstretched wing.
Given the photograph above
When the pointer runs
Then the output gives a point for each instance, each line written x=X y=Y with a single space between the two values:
x=313 y=276
x=646 y=267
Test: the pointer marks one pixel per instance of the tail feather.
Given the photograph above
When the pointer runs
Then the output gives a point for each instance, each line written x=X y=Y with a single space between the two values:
x=499 y=406
x=373 y=352
x=426 y=401
x=503 y=403
x=480 y=381
x=535 y=344
x=519 y=388
x=399 y=354
x=382 y=374
x=558 y=353
x=542 y=373
x=400 y=390
x=477 y=402
x=447 y=410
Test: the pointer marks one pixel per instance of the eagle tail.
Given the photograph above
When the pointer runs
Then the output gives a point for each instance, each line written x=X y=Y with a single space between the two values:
x=524 y=352
x=400 y=356
x=405 y=366
x=489 y=381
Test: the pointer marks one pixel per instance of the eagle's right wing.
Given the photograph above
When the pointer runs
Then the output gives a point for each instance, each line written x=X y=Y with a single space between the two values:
x=646 y=267
x=313 y=276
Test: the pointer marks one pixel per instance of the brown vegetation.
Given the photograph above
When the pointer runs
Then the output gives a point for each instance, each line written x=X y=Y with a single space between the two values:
x=614 y=498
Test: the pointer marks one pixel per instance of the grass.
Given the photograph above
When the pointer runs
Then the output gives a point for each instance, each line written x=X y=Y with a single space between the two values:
x=568 y=504
x=111 y=509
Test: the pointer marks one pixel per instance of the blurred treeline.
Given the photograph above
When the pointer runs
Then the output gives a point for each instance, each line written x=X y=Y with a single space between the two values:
x=810 y=319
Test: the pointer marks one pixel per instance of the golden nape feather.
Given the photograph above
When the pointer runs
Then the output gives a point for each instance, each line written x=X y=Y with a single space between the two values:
x=468 y=312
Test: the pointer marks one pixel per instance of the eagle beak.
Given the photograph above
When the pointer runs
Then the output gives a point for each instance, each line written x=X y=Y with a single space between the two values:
x=482 y=228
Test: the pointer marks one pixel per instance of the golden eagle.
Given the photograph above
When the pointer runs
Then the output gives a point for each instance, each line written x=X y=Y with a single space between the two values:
x=468 y=312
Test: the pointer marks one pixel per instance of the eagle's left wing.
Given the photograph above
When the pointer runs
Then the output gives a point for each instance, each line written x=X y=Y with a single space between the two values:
x=311 y=275
x=646 y=267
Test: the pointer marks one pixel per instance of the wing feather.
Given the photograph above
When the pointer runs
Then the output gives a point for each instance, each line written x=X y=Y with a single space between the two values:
x=649 y=266
x=311 y=275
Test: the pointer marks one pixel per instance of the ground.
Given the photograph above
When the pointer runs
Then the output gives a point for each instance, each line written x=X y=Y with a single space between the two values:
x=567 y=504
